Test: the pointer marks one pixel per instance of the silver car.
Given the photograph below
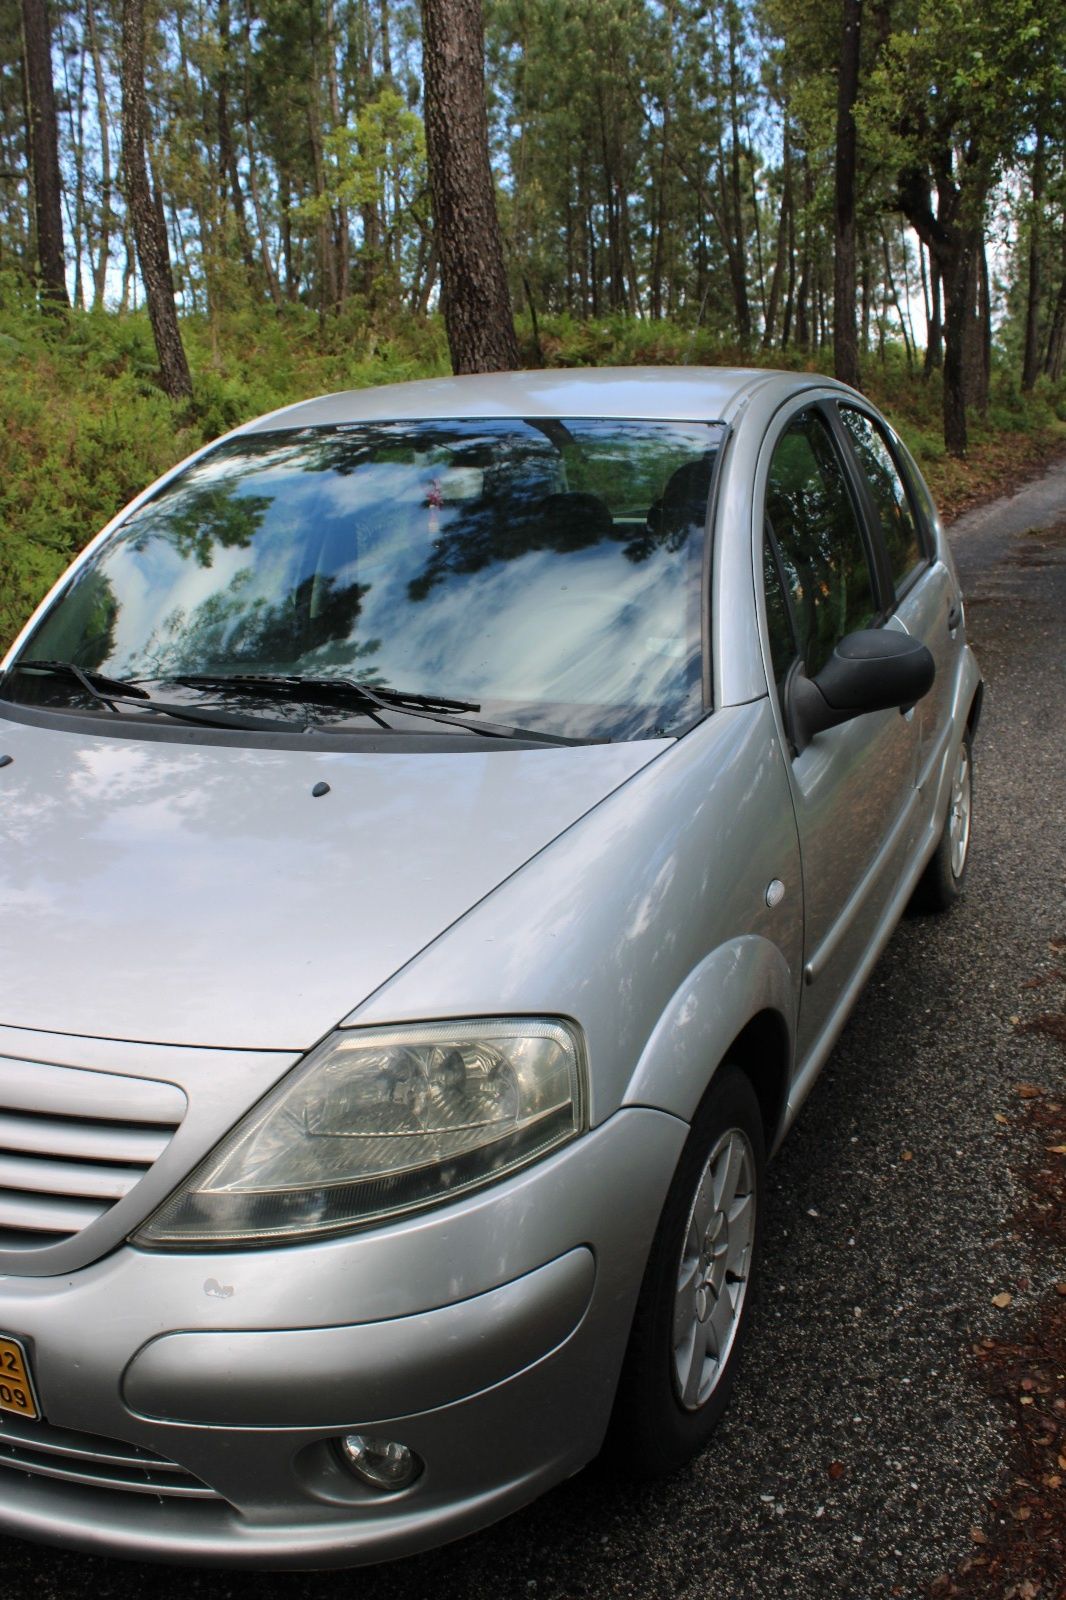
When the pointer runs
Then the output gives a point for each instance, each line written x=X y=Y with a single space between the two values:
x=444 y=830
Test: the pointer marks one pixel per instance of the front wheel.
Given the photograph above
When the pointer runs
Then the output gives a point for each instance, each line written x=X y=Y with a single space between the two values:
x=695 y=1300
x=941 y=884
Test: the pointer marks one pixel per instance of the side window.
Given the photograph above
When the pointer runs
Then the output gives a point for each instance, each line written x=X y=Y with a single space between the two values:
x=879 y=468
x=817 y=534
x=778 y=618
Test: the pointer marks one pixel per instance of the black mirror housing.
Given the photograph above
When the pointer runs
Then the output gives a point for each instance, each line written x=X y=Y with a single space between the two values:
x=873 y=669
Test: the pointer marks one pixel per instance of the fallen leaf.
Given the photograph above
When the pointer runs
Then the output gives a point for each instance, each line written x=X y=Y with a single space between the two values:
x=978 y=1536
x=1023 y=1514
x=1001 y=1118
x=1002 y=1300
x=1053 y=1480
x=907 y=1155
x=1027 y=1399
x=1062 y=1463
x=836 y=1469
x=1060 y=1288
x=1028 y=1091
x=1028 y=1385
x=1057 y=1149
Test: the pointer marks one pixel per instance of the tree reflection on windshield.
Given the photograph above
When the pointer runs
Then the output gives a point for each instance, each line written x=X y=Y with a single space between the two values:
x=551 y=567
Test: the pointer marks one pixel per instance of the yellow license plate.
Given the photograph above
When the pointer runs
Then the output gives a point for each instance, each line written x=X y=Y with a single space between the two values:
x=16 y=1385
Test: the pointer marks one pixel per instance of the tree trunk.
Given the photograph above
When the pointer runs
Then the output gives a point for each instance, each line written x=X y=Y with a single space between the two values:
x=781 y=254
x=44 y=152
x=1055 y=359
x=369 y=215
x=269 y=272
x=890 y=280
x=738 y=259
x=760 y=264
x=477 y=307
x=146 y=214
x=229 y=171
x=386 y=42
x=934 y=353
x=958 y=278
x=339 y=212
x=984 y=326
x=1031 y=356
x=845 y=339
x=953 y=244
x=790 y=287
x=803 y=325
x=104 y=240
x=76 y=208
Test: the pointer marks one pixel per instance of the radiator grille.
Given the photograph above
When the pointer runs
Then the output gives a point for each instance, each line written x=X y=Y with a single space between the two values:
x=42 y=1451
x=72 y=1144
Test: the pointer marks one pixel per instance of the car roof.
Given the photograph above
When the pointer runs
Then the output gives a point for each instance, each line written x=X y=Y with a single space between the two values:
x=671 y=393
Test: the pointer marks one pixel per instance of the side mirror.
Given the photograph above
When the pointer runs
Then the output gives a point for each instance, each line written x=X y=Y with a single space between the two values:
x=873 y=669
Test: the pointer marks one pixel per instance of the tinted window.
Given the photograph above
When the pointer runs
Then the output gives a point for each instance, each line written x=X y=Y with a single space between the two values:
x=778 y=621
x=548 y=570
x=876 y=461
x=816 y=528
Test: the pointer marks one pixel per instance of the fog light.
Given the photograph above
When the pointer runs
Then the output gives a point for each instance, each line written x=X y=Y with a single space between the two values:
x=382 y=1463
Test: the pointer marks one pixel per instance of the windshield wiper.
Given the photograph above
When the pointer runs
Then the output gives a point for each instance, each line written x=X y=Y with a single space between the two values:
x=371 y=697
x=94 y=683
x=113 y=692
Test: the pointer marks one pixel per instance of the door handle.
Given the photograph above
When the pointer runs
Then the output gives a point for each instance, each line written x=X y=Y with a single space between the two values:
x=954 y=616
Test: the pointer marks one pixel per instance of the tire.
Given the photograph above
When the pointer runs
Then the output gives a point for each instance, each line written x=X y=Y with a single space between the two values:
x=682 y=1356
x=943 y=881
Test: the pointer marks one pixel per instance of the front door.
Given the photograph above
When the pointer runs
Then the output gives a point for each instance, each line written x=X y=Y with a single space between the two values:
x=853 y=786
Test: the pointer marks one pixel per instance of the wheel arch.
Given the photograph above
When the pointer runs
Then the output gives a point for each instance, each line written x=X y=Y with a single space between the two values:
x=761 y=1051
x=737 y=1006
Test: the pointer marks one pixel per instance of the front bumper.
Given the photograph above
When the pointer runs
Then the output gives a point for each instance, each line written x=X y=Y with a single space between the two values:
x=487 y=1336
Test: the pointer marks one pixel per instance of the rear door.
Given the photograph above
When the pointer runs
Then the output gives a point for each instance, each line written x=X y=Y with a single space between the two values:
x=925 y=598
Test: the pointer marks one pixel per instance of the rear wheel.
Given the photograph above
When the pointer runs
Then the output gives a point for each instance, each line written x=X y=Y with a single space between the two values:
x=941 y=884
x=694 y=1304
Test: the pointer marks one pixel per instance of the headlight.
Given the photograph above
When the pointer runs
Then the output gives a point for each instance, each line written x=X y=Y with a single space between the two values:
x=377 y=1122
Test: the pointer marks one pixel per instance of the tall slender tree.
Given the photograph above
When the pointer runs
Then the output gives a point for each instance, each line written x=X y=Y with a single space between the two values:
x=146 y=210
x=845 y=335
x=476 y=302
x=44 y=151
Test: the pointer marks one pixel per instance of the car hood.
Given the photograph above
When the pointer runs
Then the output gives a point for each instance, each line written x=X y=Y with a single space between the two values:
x=200 y=894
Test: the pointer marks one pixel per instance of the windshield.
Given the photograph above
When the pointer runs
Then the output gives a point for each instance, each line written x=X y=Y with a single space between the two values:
x=547 y=571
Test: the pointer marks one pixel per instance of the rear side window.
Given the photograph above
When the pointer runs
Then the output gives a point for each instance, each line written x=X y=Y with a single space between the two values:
x=816 y=533
x=898 y=525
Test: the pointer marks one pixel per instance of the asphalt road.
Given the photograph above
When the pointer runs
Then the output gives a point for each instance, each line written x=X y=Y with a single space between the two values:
x=860 y=1448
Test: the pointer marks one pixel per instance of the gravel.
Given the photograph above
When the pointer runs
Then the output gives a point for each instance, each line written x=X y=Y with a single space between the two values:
x=860 y=1448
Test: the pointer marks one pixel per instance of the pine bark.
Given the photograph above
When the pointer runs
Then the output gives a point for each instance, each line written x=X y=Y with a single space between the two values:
x=845 y=338
x=476 y=303
x=1031 y=356
x=44 y=152
x=146 y=212
x=953 y=242
x=103 y=251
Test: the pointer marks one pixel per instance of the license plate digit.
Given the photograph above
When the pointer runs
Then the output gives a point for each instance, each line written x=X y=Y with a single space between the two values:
x=16 y=1384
